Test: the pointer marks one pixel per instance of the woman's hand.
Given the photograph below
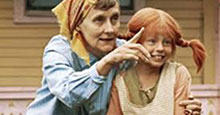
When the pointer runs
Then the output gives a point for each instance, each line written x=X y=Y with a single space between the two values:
x=192 y=106
x=128 y=51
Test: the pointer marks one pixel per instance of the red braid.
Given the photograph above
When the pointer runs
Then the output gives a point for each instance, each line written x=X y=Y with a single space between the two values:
x=126 y=36
x=199 y=52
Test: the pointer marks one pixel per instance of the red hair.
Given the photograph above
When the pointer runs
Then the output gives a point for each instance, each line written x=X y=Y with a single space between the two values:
x=156 y=22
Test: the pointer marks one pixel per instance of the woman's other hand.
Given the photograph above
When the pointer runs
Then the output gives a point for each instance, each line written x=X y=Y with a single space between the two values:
x=192 y=106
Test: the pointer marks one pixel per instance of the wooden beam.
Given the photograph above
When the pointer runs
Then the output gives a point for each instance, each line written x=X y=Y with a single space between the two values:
x=210 y=16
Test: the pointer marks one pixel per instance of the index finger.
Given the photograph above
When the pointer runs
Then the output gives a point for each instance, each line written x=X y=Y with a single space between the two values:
x=136 y=37
x=191 y=97
x=188 y=102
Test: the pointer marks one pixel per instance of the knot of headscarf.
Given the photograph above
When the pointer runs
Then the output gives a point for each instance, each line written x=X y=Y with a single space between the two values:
x=70 y=13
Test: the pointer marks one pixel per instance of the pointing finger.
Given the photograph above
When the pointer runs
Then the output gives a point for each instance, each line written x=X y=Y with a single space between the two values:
x=136 y=37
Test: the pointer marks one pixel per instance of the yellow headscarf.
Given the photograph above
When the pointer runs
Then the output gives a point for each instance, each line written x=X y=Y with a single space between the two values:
x=69 y=14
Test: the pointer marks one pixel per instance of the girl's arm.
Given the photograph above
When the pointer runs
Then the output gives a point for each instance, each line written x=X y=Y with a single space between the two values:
x=182 y=89
x=114 y=106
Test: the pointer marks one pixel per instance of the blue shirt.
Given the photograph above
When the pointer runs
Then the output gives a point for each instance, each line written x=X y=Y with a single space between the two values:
x=69 y=86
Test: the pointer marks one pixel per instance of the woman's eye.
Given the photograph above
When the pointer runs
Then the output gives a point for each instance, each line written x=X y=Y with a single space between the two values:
x=115 y=19
x=99 y=20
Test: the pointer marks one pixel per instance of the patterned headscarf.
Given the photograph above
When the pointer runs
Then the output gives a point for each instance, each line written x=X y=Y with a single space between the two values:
x=69 y=14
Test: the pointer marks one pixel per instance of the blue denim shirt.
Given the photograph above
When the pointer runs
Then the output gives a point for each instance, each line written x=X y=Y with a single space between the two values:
x=69 y=86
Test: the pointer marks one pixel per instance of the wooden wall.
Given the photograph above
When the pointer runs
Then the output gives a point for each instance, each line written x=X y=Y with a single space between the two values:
x=21 y=45
x=21 y=48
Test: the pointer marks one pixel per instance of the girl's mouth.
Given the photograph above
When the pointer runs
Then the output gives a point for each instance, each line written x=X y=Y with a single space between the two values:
x=158 y=57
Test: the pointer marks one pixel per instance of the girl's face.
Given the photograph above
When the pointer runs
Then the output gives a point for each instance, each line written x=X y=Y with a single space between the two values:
x=160 y=49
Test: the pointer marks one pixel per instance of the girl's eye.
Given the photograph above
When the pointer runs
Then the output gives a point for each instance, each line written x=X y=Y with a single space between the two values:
x=151 y=42
x=167 y=42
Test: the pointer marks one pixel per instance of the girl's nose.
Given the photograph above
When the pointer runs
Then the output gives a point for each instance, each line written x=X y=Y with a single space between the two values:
x=160 y=47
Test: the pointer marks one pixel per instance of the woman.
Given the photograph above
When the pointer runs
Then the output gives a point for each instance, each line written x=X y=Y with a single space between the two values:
x=156 y=87
x=77 y=67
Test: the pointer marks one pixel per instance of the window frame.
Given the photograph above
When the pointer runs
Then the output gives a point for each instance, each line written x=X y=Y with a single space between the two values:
x=23 y=16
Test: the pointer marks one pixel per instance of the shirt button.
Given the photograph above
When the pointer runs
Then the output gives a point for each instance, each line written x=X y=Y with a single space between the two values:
x=91 y=106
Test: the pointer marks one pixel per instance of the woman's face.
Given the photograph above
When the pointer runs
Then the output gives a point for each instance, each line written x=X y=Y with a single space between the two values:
x=160 y=49
x=99 y=29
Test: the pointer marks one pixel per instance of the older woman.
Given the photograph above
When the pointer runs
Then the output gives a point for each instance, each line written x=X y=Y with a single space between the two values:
x=77 y=66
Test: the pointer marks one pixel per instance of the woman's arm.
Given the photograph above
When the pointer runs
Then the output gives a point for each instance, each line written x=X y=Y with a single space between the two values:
x=71 y=86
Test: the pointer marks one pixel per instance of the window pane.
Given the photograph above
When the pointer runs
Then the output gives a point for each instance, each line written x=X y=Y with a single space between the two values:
x=49 y=4
x=126 y=4
x=41 y=4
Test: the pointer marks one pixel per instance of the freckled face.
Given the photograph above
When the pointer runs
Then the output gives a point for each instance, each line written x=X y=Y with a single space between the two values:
x=99 y=30
x=160 y=49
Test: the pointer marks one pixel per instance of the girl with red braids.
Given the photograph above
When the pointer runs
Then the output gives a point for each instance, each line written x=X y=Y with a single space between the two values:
x=158 y=86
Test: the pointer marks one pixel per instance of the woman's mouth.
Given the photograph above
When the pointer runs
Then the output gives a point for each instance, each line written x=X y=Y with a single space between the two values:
x=106 y=39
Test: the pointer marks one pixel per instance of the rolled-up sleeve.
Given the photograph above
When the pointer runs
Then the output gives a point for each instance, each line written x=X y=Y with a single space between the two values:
x=68 y=85
x=182 y=88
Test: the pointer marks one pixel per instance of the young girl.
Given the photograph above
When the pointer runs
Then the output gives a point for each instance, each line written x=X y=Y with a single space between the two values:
x=156 y=87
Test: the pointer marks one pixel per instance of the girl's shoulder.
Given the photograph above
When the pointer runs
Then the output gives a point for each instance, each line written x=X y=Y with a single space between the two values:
x=180 y=69
x=182 y=73
x=178 y=66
